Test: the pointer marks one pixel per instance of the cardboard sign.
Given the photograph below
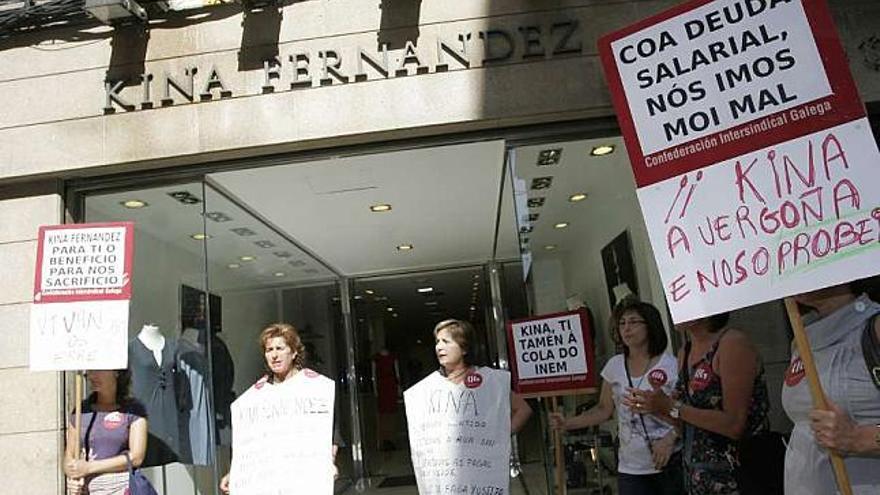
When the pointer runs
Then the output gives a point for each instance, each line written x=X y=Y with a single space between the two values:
x=551 y=354
x=459 y=434
x=754 y=160
x=82 y=288
x=282 y=437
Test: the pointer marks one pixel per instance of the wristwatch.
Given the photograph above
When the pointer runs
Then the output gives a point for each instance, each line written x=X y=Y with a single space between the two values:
x=675 y=411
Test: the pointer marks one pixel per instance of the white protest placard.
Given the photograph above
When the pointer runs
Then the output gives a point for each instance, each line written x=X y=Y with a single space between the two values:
x=551 y=353
x=756 y=166
x=82 y=289
x=282 y=436
x=459 y=434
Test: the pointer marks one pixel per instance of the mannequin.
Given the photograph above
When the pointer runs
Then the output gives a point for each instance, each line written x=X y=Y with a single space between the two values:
x=153 y=340
x=386 y=387
x=196 y=446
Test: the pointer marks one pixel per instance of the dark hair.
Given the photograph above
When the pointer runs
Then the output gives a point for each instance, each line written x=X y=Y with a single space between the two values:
x=291 y=337
x=123 y=389
x=719 y=321
x=462 y=332
x=657 y=339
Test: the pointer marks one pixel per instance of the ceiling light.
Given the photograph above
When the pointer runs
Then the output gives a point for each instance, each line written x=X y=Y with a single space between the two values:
x=369 y=292
x=574 y=198
x=358 y=298
x=476 y=276
x=247 y=258
x=561 y=225
x=425 y=290
x=536 y=202
x=185 y=197
x=539 y=183
x=265 y=244
x=279 y=274
x=405 y=247
x=431 y=303
x=549 y=157
x=473 y=308
x=533 y=217
x=217 y=216
x=243 y=231
x=389 y=309
x=550 y=247
x=134 y=204
x=381 y=207
x=394 y=315
x=233 y=265
x=601 y=150
x=200 y=237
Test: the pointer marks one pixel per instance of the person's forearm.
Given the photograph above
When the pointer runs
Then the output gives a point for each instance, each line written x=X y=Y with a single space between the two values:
x=115 y=464
x=720 y=422
x=519 y=419
x=591 y=417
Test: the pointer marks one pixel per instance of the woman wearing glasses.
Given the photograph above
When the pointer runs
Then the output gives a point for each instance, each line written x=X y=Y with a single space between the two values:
x=648 y=456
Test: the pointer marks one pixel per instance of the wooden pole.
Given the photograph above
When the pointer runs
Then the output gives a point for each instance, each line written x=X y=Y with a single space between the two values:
x=558 y=452
x=818 y=395
x=77 y=415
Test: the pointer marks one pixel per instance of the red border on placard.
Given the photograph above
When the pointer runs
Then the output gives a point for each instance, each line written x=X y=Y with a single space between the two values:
x=538 y=386
x=125 y=292
x=845 y=103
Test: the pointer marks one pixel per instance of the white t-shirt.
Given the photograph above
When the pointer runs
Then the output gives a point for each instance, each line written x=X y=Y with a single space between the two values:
x=634 y=456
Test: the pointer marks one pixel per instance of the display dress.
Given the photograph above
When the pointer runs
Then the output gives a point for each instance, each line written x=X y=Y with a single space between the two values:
x=154 y=386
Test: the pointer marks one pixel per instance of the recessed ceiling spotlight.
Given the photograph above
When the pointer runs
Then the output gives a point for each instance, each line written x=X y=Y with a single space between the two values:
x=233 y=266
x=247 y=258
x=389 y=309
x=265 y=244
x=358 y=298
x=217 y=216
x=185 y=197
x=380 y=208
x=200 y=236
x=394 y=315
x=533 y=217
x=602 y=150
x=405 y=247
x=536 y=202
x=526 y=229
x=134 y=204
x=561 y=225
x=279 y=274
x=431 y=303
x=243 y=231
x=550 y=247
x=539 y=183
x=425 y=290
x=476 y=276
x=473 y=308
x=574 y=198
x=369 y=292
x=549 y=157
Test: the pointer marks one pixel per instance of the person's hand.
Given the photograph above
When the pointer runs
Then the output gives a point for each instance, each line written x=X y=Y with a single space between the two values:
x=834 y=429
x=557 y=421
x=77 y=468
x=648 y=401
x=662 y=451
x=75 y=486
x=224 y=483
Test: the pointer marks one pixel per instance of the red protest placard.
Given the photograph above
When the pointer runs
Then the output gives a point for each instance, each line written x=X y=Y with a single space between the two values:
x=551 y=354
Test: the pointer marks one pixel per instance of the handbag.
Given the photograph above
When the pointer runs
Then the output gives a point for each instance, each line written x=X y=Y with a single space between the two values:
x=138 y=484
x=871 y=351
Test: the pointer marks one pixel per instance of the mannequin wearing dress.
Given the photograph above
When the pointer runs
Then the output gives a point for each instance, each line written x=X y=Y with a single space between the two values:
x=153 y=340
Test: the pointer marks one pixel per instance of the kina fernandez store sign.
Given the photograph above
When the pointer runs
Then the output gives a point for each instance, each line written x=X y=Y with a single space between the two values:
x=305 y=65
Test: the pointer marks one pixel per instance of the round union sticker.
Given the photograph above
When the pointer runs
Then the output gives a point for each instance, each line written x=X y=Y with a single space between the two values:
x=261 y=382
x=113 y=420
x=702 y=377
x=795 y=372
x=310 y=373
x=657 y=378
x=473 y=380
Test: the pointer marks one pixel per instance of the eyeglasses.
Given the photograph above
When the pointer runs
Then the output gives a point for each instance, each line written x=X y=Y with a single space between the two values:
x=623 y=323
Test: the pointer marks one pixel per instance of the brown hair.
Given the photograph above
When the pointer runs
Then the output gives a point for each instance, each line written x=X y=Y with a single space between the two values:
x=657 y=339
x=291 y=337
x=461 y=332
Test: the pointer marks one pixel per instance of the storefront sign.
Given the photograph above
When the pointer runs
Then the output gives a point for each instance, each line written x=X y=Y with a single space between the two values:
x=551 y=354
x=754 y=160
x=82 y=288
x=282 y=437
x=459 y=434
x=302 y=66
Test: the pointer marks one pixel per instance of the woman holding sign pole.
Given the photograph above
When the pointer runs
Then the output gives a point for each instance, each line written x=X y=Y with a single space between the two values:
x=285 y=355
x=851 y=426
x=114 y=435
x=720 y=398
x=649 y=459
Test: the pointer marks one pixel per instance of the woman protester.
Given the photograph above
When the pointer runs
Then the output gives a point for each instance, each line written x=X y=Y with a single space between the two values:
x=285 y=356
x=851 y=426
x=721 y=397
x=649 y=461
x=114 y=435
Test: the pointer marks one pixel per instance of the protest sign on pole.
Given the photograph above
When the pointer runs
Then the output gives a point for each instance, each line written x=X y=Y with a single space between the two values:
x=82 y=288
x=459 y=434
x=282 y=437
x=552 y=355
x=754 y=160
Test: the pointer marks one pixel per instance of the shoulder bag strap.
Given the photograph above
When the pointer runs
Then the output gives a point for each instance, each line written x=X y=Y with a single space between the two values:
x=871 y=351
x=89 y=432
x=641 y=416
